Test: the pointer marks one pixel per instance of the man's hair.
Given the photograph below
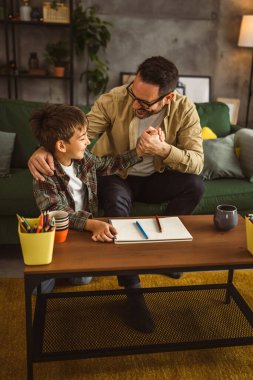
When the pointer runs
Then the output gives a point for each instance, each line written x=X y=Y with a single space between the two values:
x=159 y=71
x=56 y=122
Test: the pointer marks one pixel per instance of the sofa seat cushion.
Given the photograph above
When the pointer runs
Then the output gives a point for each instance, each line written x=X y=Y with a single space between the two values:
x=16 y=194
x=238 y=192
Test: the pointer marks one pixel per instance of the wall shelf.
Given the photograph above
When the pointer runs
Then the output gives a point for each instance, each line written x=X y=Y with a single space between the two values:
x=13 y=49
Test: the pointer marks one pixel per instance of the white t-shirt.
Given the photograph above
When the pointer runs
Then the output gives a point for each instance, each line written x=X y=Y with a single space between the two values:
x=75 y=186
x=146 y=167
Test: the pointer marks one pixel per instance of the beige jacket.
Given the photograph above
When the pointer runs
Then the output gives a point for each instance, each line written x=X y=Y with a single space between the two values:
x=112 y=117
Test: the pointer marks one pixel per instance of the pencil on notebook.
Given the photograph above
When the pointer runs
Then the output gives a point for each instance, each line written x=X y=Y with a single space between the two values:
x=141 y=230
x=158 y=224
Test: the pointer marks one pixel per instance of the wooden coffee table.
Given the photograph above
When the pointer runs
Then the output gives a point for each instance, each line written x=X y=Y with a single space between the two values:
x=91 y=323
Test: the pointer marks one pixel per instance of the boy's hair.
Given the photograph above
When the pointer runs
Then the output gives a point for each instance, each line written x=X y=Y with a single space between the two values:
x=56 y=122
x=159 y=71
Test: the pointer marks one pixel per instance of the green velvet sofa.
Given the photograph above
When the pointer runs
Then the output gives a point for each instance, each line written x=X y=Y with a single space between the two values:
x=16 y=190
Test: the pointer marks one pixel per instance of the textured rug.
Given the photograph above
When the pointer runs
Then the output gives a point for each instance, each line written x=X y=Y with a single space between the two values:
x=222 y=363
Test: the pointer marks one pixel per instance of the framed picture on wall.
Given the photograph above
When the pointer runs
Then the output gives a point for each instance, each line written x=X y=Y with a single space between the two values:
x=197 y=88
x=126 y=78
x=180 y=88
x=233 y=105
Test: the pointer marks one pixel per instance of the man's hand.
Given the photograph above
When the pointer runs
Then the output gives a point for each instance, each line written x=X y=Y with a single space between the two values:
x=41 y=162
x=101 y=231
x=152 y=142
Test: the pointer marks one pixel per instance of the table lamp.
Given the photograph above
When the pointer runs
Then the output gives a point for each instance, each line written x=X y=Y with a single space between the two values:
x=246 y=40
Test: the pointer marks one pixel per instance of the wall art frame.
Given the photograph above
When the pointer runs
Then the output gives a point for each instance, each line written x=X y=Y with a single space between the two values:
x=195 y=87
x=234 y=106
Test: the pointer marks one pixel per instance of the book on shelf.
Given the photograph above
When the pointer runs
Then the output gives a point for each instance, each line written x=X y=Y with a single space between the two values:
x=150 y=230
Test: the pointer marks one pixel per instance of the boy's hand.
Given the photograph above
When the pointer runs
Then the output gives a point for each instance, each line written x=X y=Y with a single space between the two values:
x=41 y=162
x=139 y=152
x=101 y=231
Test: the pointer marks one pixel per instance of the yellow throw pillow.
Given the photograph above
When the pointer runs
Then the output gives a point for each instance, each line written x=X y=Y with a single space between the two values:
x=237 y=151
x=208 y=134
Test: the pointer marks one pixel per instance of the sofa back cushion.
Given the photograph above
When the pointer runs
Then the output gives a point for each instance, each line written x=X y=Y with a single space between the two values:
x=215 y=115
x=14 y=117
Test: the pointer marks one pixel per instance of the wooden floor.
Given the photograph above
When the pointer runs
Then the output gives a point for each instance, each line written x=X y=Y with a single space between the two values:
x=11 y=261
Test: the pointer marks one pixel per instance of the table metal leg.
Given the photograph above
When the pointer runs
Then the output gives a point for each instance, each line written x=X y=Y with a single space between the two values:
x=29 y=286
x=229 y=283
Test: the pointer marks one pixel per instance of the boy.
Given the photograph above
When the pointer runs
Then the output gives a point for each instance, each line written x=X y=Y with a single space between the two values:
x=62 y=130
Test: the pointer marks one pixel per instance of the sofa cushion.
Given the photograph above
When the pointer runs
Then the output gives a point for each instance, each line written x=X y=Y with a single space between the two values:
x=215 y=116
x=238 y=192
x=15 y=116
x=6 y=149
x=16 y=194
x=220 y=160
x=208 y=134
x=244 y=141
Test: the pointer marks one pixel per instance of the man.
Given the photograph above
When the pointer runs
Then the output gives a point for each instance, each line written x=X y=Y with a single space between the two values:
x=171 y=166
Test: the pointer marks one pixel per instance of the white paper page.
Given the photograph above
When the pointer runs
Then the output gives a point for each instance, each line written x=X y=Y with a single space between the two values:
x=128 y=232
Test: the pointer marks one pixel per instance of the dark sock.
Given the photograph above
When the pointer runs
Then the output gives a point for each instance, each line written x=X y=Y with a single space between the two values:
x=138 y=315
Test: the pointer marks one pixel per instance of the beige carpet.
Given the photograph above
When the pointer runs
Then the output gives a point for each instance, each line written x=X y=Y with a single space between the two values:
x=215 y=364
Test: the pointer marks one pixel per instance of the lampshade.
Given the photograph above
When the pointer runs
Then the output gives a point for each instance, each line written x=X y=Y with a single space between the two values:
x=246 y=32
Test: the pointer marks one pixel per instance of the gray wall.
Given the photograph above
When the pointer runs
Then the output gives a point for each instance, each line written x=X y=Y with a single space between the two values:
x=199 y=36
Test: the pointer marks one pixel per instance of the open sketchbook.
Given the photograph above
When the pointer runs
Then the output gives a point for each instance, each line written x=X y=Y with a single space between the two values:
x=129 y=232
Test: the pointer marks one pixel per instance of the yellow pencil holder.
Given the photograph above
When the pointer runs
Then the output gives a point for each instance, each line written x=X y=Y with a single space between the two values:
x=37 y=248
x=249 y=235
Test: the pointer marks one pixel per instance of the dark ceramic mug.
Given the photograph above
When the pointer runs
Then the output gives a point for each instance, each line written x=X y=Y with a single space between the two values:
x=225 y=217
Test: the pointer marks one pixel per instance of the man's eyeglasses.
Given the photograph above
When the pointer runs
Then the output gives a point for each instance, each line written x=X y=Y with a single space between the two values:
x=143 y=103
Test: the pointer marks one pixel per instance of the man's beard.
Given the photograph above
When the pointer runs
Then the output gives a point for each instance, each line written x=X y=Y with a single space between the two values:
x=146 y=113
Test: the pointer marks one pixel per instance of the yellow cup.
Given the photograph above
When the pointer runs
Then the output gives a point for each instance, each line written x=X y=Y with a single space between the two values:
x=37 y=248
x=249 y=235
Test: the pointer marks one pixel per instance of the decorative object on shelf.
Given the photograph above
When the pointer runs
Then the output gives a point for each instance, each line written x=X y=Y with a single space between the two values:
x=246 y=40
x=35 y=14
x=91 y=34
x=33 y=62
x=233 y=105
x=13 y=67
x=57 y=54
x=25 y=11
x=54 y=11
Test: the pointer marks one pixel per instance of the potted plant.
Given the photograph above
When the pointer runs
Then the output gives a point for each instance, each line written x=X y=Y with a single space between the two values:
x=90 y=35
x=57 y=55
